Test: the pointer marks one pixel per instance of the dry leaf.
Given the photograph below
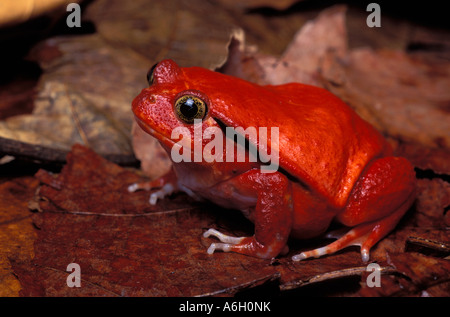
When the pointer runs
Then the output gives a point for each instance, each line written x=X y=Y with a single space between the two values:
x=70 y=104
x=15 y=12
x=190 y=32
x=302 y=59
x=403 y=96
x=155 y=161
x=432 y=204
x=249 y=4
x=417 y=275
x=16 y=230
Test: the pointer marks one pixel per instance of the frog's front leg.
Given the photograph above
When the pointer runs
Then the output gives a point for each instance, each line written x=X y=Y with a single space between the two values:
x=228 y=241
x=166 y=184
x=272 y=216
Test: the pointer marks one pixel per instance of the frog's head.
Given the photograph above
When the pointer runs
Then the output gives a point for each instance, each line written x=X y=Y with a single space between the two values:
x=172 y=103
x=198 y=112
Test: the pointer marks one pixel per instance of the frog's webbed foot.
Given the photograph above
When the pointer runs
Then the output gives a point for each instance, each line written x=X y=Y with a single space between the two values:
x=228 y=241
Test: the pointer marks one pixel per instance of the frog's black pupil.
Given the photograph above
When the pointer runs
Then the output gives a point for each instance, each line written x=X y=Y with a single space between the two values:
x=189 y=108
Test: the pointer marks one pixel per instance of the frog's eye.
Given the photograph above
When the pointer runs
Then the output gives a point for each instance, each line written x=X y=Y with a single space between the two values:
x=190 y=107
x=150 y=78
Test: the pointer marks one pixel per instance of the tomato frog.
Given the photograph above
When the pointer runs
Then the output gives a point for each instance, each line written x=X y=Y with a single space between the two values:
x=332 y=165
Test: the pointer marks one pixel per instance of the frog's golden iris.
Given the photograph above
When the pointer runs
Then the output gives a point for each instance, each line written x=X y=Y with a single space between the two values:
x=190 y=107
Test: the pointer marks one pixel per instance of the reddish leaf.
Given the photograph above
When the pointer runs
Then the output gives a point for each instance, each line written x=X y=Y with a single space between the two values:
x=16 y=231
x=123 y=245
x=127 y=247
x=418 y=275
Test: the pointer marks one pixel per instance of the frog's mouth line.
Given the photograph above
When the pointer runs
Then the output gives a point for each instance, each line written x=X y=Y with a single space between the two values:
x=157 y=135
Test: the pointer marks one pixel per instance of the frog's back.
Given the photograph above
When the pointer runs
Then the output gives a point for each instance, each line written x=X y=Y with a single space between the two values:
x=322 y=141
x=339 y=144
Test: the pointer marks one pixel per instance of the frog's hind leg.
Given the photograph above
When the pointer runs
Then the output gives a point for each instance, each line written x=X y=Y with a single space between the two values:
x=364 y=235
x=377 y=203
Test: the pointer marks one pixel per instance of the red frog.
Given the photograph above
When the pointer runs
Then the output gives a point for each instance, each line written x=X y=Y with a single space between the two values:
x=333 y=165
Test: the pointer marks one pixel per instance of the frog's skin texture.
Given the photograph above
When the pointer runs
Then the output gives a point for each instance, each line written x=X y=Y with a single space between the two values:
x=334 y=166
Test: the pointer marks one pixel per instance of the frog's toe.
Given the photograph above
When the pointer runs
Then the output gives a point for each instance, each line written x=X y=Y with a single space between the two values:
x=225 y=247
x=355 y=237
x=166 y=190
x=311 y=254
x=142 y=186
x=228 y=241
x=222 y=237
x=133 y=187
